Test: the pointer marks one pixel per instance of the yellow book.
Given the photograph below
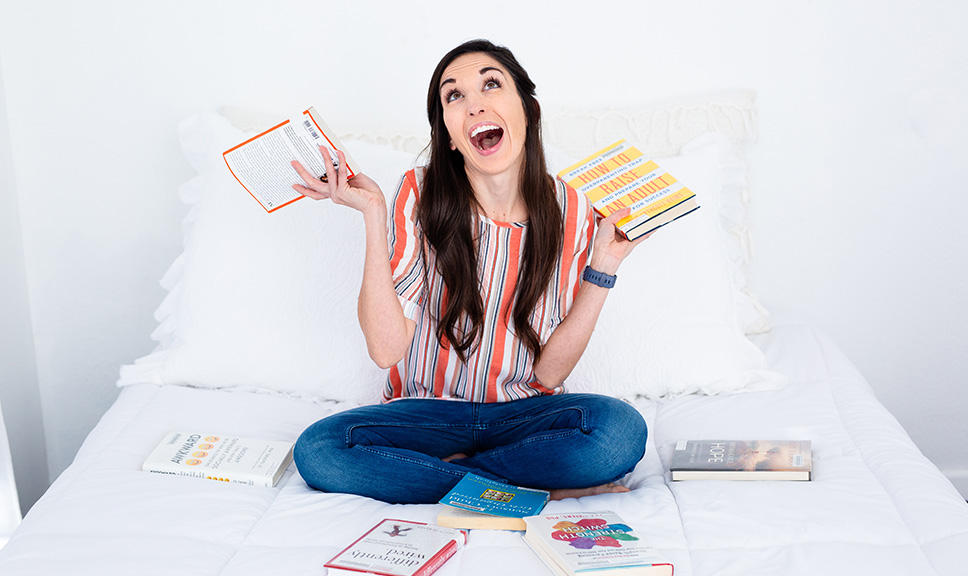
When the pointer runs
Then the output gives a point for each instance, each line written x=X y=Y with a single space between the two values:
x=618 y=177
x=453 y=517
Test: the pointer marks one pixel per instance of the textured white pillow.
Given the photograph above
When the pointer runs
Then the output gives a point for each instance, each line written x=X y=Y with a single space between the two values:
x=265 y=301
x=670 y=325
x=661 y=130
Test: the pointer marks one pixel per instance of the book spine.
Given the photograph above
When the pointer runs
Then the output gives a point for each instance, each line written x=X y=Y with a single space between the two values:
x=352 y=167
x=438 y=559
x=230 y=478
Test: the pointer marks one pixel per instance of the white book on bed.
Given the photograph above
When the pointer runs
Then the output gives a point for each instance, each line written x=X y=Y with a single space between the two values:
x=223 y=458
x=586 y=543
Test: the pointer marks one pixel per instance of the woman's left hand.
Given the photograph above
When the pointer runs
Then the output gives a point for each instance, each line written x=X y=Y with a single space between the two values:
x=610 y=246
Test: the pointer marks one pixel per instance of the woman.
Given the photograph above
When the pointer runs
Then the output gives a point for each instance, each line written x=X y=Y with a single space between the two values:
x=477 y=299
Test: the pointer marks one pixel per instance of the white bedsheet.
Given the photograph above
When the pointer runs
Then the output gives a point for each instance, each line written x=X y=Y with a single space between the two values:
x=875 y=506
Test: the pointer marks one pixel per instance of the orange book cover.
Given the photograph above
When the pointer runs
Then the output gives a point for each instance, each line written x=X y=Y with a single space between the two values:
x=262 y=166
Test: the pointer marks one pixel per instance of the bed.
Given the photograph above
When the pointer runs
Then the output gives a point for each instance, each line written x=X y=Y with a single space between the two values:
x=258 y=338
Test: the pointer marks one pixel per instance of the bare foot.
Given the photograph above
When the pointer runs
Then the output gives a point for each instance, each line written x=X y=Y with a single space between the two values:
x=563 y=493
x=454 y=457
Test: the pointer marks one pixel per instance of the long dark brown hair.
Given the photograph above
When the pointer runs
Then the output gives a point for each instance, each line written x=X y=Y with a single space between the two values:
x=447 y=216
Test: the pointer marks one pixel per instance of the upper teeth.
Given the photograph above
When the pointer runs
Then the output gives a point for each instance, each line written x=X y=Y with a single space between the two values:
x=484 y=128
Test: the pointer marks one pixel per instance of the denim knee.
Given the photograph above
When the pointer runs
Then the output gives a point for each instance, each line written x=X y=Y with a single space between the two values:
x=316 y=449
x=619 y=432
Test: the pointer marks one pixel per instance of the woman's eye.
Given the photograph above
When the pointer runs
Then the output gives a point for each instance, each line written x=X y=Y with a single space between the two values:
x=452 y=95
x=491 y=84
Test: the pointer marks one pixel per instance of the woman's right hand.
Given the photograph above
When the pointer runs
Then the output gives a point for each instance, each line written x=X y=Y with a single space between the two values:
x=360 y=192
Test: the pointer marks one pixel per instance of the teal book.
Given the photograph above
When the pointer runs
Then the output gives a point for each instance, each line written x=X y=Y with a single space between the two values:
x=487 y=496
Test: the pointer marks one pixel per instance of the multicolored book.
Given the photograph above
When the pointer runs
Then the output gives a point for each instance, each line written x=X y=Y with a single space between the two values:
x=481 y=503
x=398 y=548
x=618 y=177
x=586 y=543
x=741 y=460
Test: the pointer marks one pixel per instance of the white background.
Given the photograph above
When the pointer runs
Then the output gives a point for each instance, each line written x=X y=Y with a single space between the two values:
x=859 y=180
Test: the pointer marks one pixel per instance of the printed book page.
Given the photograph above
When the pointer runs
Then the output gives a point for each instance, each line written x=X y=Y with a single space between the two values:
x=262 y=164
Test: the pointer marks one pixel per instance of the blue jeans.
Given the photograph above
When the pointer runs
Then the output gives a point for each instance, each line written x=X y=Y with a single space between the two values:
x=393 y=452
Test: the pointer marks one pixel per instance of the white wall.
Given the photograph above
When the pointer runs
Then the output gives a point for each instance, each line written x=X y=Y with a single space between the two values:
x=19 y=392
x=862 y=119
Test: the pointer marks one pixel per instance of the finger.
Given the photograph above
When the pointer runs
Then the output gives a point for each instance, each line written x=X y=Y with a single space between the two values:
x=309 y=192
x=303 y=173
x=616 y=216
x=331 y=176
x=342 y=171
x=308 y=189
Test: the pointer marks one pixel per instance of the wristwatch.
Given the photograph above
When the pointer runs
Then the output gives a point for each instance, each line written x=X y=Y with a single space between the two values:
x=598 y=278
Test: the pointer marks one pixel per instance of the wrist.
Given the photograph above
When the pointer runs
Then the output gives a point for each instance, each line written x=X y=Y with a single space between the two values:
x=604 y=264
x=598 y=277
x=375 y=211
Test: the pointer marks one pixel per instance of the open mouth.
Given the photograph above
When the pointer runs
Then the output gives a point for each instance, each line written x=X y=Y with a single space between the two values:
x=486 y=136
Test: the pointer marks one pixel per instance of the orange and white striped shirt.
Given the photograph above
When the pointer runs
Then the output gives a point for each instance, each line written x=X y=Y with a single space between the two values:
x=500 y=368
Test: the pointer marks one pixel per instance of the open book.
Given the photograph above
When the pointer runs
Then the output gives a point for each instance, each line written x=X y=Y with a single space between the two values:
x=262 y=164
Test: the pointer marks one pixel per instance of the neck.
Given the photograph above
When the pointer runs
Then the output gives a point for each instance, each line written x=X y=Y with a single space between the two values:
x=499 y=195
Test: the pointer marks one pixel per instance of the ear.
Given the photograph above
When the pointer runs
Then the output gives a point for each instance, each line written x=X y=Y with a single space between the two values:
x=452 y=145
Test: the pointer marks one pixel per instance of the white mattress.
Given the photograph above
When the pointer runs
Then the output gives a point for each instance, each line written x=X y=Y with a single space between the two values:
x=875 y=506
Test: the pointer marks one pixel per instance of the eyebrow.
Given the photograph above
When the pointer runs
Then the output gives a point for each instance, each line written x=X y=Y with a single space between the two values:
x=482 y=72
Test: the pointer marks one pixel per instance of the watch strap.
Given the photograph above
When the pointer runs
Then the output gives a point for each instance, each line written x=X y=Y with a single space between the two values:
x=598 y=278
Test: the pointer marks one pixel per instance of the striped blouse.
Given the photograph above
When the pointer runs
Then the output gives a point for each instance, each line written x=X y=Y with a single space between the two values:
x=500 y=368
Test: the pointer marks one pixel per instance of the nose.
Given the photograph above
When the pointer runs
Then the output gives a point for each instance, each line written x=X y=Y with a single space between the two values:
x=475 y=105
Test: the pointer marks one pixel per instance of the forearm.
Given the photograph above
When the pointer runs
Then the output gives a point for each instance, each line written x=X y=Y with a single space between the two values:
x=386 y=329
x=567 y=343
x=563 y=349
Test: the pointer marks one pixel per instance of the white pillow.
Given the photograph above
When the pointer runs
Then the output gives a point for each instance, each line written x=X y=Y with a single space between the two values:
x=265 y=301
x=670 y=326
x=661 y=130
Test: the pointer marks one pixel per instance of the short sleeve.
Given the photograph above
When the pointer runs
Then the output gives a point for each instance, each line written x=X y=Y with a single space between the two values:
x=579 y=219
x=406 y=261
x=579 y=228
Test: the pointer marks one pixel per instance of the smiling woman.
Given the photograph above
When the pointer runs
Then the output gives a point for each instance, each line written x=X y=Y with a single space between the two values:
x=481 y=86
x=481 y=106
x=477 y=297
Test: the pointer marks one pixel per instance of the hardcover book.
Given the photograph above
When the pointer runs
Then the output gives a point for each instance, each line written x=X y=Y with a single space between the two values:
x=490 y=504
x=741 y=460
x=582 y=543
x=618 y=177
x=262 y=164
x=224 y=458
x=398 y=548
